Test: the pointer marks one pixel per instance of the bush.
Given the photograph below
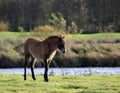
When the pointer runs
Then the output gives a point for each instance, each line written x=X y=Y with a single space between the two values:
x=4 y=26
x=45 y=28
x=58 y=21
x=73 y=28
x=110 y=28
x=20 y=29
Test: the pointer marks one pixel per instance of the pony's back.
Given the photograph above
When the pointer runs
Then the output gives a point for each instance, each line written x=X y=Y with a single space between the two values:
x=27 y=44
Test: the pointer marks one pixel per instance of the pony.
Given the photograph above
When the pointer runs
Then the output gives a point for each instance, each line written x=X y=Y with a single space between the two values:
x=42 y=49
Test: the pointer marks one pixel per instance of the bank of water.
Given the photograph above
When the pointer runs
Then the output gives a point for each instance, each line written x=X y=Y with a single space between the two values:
x=65 y=71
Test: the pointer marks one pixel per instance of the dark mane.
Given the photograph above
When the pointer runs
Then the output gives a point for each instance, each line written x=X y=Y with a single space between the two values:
x=51 y=37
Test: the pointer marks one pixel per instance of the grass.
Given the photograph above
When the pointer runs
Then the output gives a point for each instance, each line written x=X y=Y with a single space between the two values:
x=69 y=36
x=13 y=34
x=60 y=84
x=26 y=34
x=94 y=36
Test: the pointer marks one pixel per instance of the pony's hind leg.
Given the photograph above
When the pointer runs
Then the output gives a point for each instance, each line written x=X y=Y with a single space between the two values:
x=25 y=65
x=32 y=63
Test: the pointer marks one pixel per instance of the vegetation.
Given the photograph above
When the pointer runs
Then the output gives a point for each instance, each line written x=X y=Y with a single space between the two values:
x=83 y=50
x=85 y=16
x=41 y=18
x=4 y=26
x=76 y=37
x=60 y=84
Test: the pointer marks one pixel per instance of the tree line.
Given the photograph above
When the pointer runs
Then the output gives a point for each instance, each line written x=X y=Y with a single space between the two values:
x=73 y=16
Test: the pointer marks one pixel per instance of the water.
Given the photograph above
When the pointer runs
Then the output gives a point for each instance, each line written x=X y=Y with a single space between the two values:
x=65 y=71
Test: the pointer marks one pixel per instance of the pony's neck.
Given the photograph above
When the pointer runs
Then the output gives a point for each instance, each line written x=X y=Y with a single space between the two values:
x=51 y=44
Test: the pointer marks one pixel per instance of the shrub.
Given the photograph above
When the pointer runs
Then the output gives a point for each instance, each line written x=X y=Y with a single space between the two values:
x=110 y=28
x=45 y=28
x=4 y=26
x=20 y=29
x=58 y=21
x=73 y=28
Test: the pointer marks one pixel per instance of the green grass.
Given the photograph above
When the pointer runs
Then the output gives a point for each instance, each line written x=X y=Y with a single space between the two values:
x=60 y=84
x=94 y=36
x=69 y=36
x=26 y=34
x=14 y=34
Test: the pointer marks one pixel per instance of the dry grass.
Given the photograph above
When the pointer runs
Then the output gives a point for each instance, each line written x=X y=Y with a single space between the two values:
x=80 y=52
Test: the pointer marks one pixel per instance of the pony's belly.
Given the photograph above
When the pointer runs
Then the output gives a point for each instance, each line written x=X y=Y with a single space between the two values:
x=36 y=55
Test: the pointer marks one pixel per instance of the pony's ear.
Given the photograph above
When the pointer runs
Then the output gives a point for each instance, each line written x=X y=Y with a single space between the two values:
x=63 y=37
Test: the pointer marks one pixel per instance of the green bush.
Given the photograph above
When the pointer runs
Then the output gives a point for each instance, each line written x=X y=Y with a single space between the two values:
x=58 y=21
x=73 y=28
x=20 y=29
x=110 y=28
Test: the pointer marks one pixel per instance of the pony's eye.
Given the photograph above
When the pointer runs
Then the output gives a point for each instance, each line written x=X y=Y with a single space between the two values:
x=61 y=45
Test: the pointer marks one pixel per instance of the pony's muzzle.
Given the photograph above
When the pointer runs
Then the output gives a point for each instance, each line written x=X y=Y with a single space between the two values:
x=63 y=51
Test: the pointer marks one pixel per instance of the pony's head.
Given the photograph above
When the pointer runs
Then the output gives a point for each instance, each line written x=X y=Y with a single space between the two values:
x=61 y=44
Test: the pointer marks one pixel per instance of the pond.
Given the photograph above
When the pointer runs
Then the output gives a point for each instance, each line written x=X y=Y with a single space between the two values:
x=65 y=71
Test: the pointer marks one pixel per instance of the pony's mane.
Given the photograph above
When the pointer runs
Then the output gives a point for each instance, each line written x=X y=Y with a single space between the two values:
x=51 y=37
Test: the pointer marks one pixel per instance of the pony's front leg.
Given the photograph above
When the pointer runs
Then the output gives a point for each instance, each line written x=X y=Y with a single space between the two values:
x=46 y=70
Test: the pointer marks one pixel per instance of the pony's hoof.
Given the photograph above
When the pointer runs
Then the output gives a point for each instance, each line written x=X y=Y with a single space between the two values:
x=25 y=79
x=46 y=80
x=34 y=79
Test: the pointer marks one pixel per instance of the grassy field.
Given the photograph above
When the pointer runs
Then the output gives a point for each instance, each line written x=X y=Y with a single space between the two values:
x=94 y=36
x=15 y=35
x=69 y=36
x=60 y=84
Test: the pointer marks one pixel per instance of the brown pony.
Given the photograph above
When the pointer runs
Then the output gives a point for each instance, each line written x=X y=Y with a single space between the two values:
x=38 y=49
